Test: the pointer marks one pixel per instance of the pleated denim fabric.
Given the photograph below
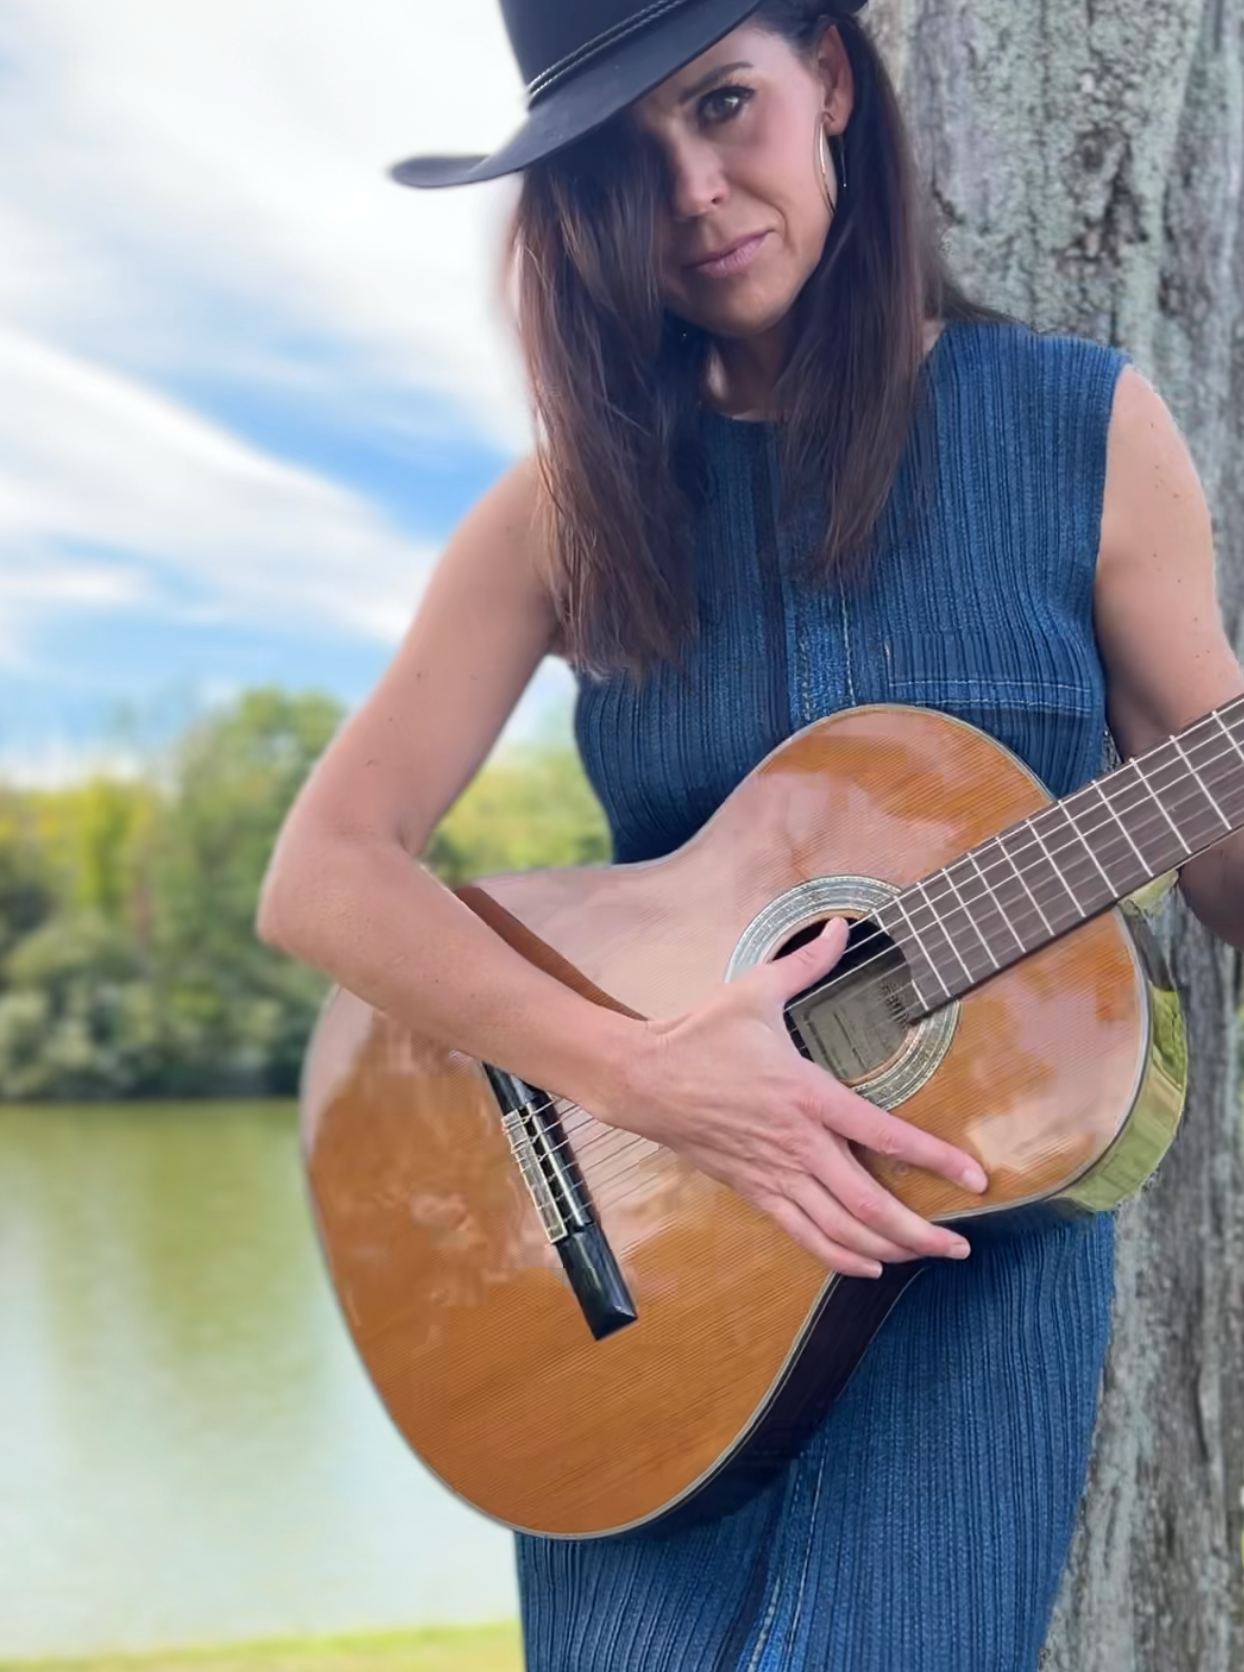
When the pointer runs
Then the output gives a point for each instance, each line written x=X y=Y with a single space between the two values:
x=925 y=1525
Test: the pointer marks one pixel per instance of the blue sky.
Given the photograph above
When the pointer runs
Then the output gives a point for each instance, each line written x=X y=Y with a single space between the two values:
x=247 y=386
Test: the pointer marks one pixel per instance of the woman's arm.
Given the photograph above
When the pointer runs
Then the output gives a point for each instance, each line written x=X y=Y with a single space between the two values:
x=343 y=891
x=720 y=1083
x=1167 y=657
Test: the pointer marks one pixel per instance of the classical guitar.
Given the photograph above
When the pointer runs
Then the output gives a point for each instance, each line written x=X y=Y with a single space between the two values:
x=578 y=1332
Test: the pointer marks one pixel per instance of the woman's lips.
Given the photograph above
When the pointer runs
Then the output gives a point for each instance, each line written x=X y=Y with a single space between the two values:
x=733 y=259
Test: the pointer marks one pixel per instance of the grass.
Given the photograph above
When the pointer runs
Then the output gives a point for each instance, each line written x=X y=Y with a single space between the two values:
x=449 y=1649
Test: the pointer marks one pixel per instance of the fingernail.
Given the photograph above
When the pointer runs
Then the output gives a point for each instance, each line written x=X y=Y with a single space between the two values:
x=974 y=1178
x=874 y=1269
x=958 y=1249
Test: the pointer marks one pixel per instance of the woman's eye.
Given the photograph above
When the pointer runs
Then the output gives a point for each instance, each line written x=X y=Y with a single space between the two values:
x=724 y=103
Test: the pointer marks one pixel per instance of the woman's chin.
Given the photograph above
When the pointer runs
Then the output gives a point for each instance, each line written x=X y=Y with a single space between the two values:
x=743 y=324
x=746 y=313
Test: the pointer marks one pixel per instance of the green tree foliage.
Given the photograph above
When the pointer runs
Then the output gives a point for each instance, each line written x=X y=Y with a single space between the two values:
x=110 y=827
x=530 y=809
x=26 y=887
x=128 y=961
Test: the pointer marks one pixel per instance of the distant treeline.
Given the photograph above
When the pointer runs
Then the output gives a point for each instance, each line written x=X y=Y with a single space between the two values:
x=128 y=961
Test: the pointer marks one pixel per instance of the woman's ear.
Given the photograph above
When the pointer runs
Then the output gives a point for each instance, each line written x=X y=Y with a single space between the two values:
x=837 y=77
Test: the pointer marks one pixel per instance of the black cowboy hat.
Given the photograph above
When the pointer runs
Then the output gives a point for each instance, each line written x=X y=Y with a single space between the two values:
x=585 y=60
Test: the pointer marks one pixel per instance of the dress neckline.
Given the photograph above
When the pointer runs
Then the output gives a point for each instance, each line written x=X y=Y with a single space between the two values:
x=764 y=426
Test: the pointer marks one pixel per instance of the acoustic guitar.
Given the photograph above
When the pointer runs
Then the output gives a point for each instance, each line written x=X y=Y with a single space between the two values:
x=578 y=1332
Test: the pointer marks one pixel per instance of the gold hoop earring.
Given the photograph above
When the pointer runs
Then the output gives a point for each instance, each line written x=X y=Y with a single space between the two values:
x=830 y=155
x=823 y=158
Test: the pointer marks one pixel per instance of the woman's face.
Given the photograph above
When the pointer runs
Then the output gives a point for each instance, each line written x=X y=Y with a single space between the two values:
x=747 y=216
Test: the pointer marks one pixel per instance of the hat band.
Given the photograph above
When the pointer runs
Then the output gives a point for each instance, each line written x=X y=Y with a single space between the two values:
x=547 y=79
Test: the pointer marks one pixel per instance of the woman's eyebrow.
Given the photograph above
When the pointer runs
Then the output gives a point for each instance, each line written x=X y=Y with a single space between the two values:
x=707 y=81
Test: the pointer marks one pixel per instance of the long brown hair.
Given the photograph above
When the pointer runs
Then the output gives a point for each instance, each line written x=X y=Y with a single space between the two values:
x=617 y=383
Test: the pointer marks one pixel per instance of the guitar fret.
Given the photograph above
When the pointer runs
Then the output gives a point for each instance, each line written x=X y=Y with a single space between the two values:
x=965 y=908
x=1229 y=790
x=1133 y=876
x=1227 y=733
x=1214 y=774
x=1169 y=774
x=1152 y=842
x=1050 y=861
x=1193 y=806
x=1028 y=901
x=1050 y=872
x=1050 y=894
x=1086 y=847
x=989 y=897
x=1104 y=832
x=960 y=927
x=1027 y=895
x=943 y=929
x=1161 y=806
x=1213 y=806
x=931 y=963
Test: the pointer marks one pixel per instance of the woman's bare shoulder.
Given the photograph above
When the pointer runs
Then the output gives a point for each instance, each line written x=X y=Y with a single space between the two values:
x=506 y=531
x=1166 y=654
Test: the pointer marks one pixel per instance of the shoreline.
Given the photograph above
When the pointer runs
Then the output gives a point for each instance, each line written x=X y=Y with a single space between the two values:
x=487 y=1648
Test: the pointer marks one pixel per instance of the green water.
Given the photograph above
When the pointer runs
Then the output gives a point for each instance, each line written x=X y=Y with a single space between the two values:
x=188 y=1448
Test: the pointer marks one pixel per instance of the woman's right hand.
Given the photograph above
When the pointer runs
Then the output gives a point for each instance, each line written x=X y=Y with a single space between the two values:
x=724 y=1087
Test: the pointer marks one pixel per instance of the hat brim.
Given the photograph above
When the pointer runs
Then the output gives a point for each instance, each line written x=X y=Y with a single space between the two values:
x=594 y=94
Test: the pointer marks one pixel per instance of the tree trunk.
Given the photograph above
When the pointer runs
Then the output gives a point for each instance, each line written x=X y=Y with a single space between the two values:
x=1088 y=160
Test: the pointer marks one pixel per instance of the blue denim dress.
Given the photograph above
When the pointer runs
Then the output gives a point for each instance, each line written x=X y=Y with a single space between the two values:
x=925 y=1525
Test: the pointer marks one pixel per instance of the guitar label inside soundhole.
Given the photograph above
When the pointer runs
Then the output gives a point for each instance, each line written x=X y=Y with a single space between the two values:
x=856 y=1021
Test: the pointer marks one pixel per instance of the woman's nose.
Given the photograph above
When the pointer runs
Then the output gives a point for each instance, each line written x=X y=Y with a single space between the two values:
x=698 y=182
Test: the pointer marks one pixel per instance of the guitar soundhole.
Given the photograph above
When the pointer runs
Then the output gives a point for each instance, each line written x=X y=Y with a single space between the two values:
x=857 y=1021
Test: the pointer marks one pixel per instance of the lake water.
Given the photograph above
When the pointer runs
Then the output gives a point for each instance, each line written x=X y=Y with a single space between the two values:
x=189 y=1450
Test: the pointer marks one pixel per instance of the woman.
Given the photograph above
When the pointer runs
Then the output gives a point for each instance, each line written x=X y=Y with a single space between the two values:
x=784 y=467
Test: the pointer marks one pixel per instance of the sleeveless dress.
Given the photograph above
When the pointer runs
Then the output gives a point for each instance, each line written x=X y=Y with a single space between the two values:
x=925 y=1525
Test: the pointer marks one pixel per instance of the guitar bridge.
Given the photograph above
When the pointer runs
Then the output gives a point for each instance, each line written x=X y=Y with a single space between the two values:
x=560 y=1196
x=533 y=1153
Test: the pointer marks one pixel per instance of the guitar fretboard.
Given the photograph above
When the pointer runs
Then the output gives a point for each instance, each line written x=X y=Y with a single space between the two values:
x=1022 y=889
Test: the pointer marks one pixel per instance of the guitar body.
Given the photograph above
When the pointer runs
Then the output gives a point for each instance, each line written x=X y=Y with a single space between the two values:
x=1063 y=1075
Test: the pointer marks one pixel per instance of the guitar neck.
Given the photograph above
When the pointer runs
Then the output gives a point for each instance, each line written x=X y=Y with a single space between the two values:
x=1076 y=858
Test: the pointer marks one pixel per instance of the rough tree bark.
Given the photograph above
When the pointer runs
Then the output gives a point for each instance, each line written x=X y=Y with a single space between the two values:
x=1088 y=159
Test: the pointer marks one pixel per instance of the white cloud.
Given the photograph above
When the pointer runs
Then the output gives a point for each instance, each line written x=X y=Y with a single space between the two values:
x=54 y=765
x=202 y=523
x=153 y=151
x=195 y=190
